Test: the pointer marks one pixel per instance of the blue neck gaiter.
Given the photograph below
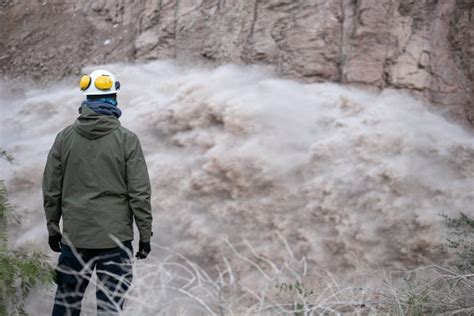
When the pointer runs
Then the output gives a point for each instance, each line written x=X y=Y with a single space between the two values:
x=106 y=106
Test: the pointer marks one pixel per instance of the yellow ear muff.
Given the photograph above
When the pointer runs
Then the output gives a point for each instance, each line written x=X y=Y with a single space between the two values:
x=103 y=82
x=85 y=82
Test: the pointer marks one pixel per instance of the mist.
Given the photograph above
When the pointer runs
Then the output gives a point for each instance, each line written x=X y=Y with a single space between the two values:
x=346 y=176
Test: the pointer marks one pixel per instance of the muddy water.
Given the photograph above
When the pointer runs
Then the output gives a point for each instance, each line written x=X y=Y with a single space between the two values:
x=345 y=176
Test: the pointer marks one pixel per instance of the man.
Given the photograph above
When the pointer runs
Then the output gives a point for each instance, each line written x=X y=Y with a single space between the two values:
x=96 y=181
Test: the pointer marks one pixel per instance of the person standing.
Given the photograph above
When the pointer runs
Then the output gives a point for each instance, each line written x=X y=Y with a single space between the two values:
x=96 y=181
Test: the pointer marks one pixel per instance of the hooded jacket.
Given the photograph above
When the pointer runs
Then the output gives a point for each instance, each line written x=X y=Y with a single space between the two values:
x=96 y=180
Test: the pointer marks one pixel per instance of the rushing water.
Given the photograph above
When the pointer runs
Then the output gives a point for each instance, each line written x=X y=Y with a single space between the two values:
x=346 y=176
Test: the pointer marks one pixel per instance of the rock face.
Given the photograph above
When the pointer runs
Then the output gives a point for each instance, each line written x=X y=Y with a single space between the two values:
x=425 y=46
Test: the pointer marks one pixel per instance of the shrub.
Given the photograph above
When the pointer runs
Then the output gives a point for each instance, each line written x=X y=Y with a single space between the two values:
x=20 y=269
x=461 y=240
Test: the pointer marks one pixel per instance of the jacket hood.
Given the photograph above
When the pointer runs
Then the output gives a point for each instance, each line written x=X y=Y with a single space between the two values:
x=93 y=125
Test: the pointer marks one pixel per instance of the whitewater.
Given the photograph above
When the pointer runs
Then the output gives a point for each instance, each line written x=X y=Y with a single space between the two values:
x=239 y=157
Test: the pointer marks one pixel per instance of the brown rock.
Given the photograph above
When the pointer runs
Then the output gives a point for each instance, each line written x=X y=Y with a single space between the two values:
x=425 y=46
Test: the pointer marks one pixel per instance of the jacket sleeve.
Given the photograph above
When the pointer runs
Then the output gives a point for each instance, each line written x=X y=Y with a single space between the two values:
x=139 y=190
x=52 y=188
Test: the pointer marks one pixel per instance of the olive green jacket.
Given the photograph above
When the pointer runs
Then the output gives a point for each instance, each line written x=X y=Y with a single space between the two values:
x=96 y=180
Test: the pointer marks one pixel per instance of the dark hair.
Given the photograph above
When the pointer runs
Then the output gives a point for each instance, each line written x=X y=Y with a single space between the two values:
x=102 y=96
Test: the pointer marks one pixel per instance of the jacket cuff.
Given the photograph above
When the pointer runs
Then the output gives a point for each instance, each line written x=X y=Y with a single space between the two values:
x=145 y=237
x=53 y=228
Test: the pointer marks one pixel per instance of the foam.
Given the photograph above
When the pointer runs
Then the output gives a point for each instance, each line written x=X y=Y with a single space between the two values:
x=232 y=150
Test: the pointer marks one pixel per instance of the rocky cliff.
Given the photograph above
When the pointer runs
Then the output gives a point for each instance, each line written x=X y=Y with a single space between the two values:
x=425 y=46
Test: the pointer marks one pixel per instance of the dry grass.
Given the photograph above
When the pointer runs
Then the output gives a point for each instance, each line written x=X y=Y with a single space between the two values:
x=175 y=285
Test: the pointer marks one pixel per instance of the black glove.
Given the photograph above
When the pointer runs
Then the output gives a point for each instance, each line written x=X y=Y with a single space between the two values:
x=144 y=249
x=54 y=242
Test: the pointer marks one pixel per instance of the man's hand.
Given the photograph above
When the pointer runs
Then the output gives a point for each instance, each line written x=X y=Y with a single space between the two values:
x=54 y=242
x=144 y=249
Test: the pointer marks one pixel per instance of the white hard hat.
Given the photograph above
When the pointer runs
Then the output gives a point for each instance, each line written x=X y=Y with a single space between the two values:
x=99 y=82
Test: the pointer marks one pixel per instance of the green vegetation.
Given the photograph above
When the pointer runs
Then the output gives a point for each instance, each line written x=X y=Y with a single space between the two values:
x=20 y=269
x=441 y=290
x=299 y=293
x=461 y=240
